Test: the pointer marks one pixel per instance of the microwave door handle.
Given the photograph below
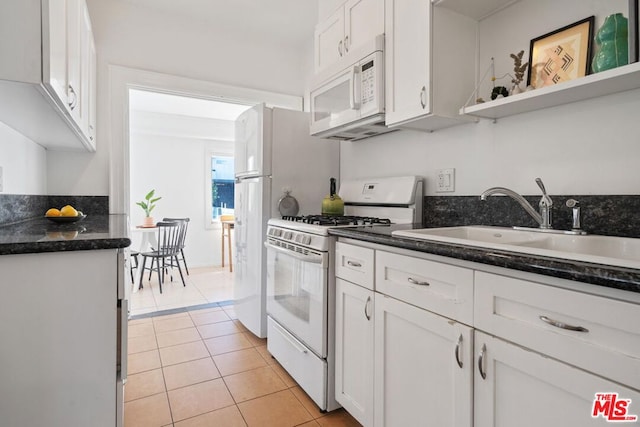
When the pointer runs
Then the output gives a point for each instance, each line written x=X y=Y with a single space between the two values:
x=355 y=89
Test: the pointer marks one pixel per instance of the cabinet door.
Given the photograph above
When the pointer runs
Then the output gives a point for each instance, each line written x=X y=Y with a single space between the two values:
x=526 y=389
x=329 y=40
x=59 y=338
x=354 y=350
x=54 y=40
x=423 y=367
x=407 y=59
x=74 y=53
x=363 y=20
x=88 y=77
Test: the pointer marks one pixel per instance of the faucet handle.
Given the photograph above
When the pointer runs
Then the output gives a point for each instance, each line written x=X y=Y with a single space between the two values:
x=576 y=216
x=544 y=190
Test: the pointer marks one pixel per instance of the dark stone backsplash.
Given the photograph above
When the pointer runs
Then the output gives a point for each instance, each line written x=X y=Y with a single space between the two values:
x=17 y=207
x=607 y=215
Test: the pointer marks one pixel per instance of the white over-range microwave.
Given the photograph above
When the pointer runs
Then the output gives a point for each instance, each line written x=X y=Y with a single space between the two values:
x=347 y=100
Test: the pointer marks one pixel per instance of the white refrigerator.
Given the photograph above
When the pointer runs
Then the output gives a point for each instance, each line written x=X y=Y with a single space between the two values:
x=274 y=153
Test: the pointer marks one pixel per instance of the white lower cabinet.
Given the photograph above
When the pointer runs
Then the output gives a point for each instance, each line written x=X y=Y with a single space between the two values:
x=456 y=346
x=64 y=348
x=354 y=350
x=515 y=386
x=423 y=367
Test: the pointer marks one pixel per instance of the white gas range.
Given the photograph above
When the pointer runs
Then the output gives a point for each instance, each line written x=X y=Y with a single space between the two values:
x=301 y=277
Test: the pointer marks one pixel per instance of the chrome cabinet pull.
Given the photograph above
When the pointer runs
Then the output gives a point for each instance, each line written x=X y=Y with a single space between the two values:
x=340 y=47
x=483 y=373
x=74 y=101
x=423 y=97
x=457 y=352
x=366 y=306
x=561 y=325
x=354 y=264
x=346 y=43
x=415 y=282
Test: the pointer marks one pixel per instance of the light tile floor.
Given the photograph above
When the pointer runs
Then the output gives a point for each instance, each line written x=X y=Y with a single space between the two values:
x=203 y=285
x=203 y=368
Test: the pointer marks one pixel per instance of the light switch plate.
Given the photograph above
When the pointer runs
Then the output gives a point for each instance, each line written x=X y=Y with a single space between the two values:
x=445 y=180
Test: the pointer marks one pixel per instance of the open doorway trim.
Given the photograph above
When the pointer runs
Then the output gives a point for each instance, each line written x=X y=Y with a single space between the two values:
x=121 y=79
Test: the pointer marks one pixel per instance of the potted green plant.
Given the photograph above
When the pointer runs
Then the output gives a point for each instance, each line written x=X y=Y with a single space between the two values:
x=148 y=204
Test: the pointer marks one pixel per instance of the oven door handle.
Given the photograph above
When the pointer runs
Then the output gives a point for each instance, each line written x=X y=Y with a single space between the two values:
x=316 y=259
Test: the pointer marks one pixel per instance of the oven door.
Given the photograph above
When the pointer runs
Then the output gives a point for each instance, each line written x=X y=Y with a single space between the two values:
x=297 y=292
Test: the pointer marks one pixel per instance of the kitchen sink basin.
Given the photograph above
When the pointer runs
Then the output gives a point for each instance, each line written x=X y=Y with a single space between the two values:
x=618 y=251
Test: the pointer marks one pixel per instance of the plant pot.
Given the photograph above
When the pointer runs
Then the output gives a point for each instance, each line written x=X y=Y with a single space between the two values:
x=148 y=222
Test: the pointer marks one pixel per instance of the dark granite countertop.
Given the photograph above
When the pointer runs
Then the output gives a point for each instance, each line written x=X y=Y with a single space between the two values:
x=42 y=235
x=627 y=279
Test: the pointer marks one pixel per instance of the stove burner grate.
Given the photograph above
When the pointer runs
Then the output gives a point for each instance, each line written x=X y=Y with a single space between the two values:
x=329 y=221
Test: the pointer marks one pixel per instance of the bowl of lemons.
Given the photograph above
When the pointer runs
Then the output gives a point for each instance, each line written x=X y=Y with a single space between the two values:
x=66 y=214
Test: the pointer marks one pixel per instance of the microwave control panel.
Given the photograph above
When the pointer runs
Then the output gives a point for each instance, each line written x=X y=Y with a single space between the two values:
x=368 y=84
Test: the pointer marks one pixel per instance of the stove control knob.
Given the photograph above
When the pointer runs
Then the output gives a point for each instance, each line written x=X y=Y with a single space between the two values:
x=287 y=235
x=307 y=240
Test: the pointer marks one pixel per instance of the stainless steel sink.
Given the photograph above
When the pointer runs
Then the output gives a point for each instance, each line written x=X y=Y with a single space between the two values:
x=619 y=251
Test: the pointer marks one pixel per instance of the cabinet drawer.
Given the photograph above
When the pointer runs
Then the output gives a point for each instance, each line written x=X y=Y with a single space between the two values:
x=437 y=287
x=355 y=264
x=542 y=317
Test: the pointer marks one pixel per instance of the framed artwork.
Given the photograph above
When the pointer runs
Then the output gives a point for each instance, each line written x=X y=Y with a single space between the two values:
x=561 y=55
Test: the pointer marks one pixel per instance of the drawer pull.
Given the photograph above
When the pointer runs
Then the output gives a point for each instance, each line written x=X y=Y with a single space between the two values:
x=457 y=352
x=415 y=282
x=354 y=264
x=563 y=325
x=483 y=373
x=366 y=306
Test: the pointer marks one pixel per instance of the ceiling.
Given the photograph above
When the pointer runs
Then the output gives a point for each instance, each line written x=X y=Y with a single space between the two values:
x=140 y=100
x=287 y=22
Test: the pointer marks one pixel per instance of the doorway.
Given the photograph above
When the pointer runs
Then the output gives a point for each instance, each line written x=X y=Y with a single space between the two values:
x=182 y=149
x=121 y=81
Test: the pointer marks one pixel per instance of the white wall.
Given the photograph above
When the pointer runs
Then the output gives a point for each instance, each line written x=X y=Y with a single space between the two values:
x=23 y=162
x=590 y=147
x=176 y=169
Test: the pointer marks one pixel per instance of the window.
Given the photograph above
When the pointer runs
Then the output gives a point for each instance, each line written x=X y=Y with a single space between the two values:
x=222 y=186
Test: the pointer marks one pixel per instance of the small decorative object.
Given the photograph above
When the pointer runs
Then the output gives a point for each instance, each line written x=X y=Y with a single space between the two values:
x=561 y=55
x=288 y=205
x=612 y=44
x=499 y=92
x=518 y=69
x=148 y=204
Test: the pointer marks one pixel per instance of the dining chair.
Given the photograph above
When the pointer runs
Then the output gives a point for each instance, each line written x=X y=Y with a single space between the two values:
x=168 y=248
x=133 y=256
x=183 y=237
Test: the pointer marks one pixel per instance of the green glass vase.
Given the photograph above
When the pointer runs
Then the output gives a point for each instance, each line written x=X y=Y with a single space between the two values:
x=612 y=44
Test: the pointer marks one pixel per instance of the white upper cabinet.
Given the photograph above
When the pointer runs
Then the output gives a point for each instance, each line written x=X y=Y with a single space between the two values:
x=428 y=73
x=351 y=25
x=47 y=76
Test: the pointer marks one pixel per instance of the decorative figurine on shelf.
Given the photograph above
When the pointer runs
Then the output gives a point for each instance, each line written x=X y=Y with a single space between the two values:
x=499 y=92
x=612 y=43
x=518 y=69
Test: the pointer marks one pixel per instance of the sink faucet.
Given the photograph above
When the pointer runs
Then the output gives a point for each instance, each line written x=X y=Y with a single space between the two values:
x=543 y=218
